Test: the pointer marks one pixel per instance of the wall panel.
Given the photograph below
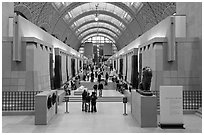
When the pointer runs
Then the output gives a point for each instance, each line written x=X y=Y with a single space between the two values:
x=124 y=67
x=129 y=68
x=63 y=68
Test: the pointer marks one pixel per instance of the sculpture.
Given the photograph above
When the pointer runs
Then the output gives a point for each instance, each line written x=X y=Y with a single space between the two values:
x=54 y=97
x=49 y=102
x=146 y=79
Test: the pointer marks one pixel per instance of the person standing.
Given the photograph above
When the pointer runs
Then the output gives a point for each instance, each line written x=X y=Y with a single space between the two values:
x=84 y=94
x=93 y=102
x=88 y=99
x=99 y=77
x=95 y=87
x=77 y=82
x=107 y=76
x=100 y=88
x=88 y=76
x=84 y=77
x=96 y=74
x=66 y=89
x=92 y=76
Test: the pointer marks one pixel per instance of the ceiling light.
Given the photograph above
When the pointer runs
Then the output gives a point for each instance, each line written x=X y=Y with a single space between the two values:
x=96 y=18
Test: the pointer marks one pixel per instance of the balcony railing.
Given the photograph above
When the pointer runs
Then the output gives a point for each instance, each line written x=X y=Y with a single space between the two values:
x=25 y=100
x=192 y=100
x=18 y=100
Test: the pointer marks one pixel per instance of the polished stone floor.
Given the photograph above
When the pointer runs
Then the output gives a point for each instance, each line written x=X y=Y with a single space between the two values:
x=108 y=119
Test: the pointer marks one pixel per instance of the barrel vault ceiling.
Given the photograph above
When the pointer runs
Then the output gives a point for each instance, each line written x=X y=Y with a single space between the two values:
x=73 y=22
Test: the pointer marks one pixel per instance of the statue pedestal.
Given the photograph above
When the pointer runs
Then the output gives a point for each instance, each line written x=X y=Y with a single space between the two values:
x=144 y=109
x=42 y=114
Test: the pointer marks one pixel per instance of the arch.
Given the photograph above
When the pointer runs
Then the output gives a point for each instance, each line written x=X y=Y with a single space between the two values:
x=76 y=4
x=98 y=30
x=99 y=12
x=129 y=10
x=93 y=35
x=103 y=21
x=96 y=33
x=100 y=24
x=116 y=44
x=93 y=12
x=124 y=7
x=98 y=27
x=65 y=10
x=71 y=7
x=24 y=10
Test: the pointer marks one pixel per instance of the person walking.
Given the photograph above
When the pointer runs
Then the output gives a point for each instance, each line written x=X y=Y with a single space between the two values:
x=93 y=102
x=84 y=94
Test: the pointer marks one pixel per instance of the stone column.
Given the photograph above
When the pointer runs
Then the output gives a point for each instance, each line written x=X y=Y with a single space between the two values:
x=134 y=75
x=58 y=71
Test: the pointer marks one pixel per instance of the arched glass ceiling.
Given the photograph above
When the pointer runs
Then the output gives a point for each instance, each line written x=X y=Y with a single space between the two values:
x=99 y=39
x=58 y=4
x=98 y=24
x=98 y=30
x=61 y=5
x=135 y=6
x=102 y=6
x=97 y=34
x=100 y=17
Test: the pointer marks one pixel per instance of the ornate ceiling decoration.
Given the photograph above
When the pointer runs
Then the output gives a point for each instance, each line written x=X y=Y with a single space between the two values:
x=75 y=21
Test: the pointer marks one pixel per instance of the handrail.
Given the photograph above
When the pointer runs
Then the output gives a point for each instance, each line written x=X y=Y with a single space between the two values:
x=100 y=99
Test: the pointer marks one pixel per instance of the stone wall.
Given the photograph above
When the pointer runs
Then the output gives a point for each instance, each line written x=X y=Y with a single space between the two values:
x=184 y=71
x=32 y=73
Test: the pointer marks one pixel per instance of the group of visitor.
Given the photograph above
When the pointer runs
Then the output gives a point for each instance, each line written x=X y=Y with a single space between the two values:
x=89 y=101
x=89 y=73
x=93 y=71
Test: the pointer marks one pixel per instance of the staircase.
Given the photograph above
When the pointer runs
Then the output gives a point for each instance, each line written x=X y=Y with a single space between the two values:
x=199 y=112
x=110 y=99
x=89 y=85
x=100 y=99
